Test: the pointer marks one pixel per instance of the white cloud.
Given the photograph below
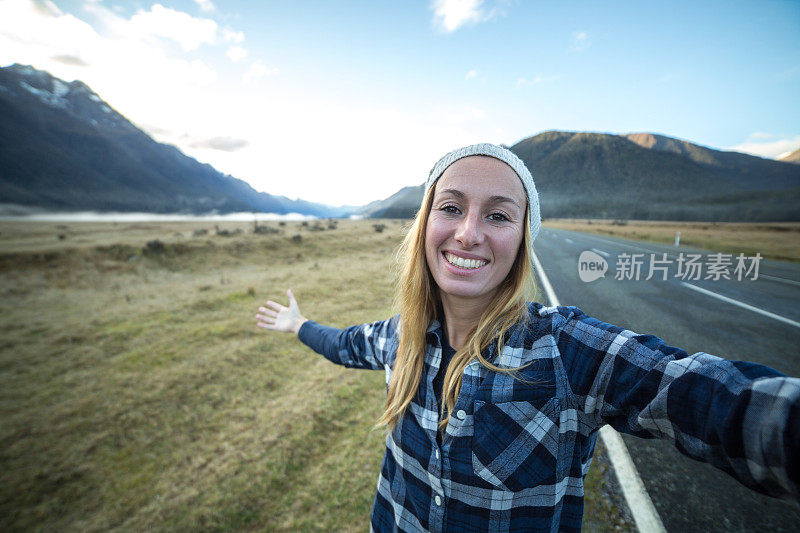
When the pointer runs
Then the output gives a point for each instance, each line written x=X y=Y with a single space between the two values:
x=48 y=8
x=205 y=5
x=30 y=33
x=760 y=135
x=580 y=40
x=236 y=53
x=69 y=60
x=225 y=144
x=522 y=82
x=258 y=70
x=232 y=36
x=126 y=67
x=757 y=144
x=195 y=100
x=350 y=145
x=164 y=22
x=471 y=74
x=450 y=15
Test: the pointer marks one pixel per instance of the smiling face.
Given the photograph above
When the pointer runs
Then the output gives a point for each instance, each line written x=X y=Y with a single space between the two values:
x=474 y=228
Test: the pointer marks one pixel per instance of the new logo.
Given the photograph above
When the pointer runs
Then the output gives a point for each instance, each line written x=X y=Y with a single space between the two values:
x=591 y=266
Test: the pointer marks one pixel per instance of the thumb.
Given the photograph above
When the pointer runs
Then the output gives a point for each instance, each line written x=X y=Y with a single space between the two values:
x=292 y=301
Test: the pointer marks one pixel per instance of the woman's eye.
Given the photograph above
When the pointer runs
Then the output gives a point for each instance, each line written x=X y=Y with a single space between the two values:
x=450 y=209
x=498 y=217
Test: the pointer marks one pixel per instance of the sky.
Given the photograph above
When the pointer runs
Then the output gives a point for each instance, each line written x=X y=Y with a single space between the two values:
x=346 y=102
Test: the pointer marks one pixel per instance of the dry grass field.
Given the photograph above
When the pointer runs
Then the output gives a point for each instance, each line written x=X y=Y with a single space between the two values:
x=773 y=240
x=137 y=394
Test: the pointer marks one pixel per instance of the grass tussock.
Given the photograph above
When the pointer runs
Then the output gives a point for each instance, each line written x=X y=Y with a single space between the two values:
x=773 y=240
x=136 y=392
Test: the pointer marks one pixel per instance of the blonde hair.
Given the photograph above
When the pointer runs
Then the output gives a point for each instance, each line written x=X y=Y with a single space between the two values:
x=416 y=300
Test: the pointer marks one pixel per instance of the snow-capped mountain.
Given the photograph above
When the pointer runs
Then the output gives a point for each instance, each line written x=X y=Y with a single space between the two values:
x=75 y=97
x=63 y=147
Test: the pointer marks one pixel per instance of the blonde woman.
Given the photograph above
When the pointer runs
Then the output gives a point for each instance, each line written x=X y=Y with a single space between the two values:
x=494 y=403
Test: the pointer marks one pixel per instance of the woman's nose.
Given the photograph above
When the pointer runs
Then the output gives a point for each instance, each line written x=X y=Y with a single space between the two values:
x=469 y=232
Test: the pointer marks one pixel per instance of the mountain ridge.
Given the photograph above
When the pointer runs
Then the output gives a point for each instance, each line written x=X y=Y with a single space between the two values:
x=793 y=157
x=63 y=147
x=644 y=176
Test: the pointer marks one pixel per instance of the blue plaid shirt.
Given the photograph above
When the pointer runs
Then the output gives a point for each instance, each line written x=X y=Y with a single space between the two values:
x=515 y=452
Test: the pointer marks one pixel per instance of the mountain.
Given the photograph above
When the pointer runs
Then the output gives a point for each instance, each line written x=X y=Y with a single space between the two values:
x=644 y=176
x=794 y=157
x=402 y=204
x=62 y=147
x=752 y=170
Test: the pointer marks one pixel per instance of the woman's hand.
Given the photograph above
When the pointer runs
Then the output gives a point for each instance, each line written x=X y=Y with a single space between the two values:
x=279 y=318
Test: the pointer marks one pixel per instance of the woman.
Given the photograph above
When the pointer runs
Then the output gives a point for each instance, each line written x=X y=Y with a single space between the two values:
x=494 y=403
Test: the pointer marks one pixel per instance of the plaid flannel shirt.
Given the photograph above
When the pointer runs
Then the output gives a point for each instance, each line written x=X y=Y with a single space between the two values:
x=515 y=451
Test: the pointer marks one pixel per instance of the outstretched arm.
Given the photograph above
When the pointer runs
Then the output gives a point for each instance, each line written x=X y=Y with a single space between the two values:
x=364 y=346
x=741 y=417
x=277 y=317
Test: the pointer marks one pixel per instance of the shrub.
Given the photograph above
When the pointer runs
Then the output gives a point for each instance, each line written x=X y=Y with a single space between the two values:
x=154 y=246
x=265 y=230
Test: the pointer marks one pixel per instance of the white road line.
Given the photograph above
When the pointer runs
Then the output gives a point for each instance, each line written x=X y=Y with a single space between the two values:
x=593 y=236
x=601 y=252
x=548 y=289
x=782 y=280
x=741 y=304
x=639 y=502
x=569 y=241
x=641 y=506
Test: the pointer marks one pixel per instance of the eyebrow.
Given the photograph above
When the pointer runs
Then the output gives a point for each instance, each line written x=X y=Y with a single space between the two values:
x=495 y=199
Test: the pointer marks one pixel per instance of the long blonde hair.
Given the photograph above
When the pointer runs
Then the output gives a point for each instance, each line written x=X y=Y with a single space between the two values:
x=416 y=299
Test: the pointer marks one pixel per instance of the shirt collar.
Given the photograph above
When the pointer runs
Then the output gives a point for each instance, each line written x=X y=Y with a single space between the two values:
x=434 y=333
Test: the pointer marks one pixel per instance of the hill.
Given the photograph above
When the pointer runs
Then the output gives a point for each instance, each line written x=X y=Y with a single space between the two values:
x=794 y=157
x=63 y=147
x=644 y=176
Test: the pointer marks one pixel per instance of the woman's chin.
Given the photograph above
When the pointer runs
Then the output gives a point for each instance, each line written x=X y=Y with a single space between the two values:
x=464 y=291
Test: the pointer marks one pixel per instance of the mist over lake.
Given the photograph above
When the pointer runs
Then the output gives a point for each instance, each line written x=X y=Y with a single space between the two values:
x=94 y=216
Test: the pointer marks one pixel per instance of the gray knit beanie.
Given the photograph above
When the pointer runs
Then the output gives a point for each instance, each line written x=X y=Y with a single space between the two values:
x=507 y=157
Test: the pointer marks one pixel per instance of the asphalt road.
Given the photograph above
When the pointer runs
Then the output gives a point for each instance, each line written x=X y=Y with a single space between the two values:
x=689 y=495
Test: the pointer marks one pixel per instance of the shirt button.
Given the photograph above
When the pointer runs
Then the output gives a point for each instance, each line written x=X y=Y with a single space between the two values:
x=437 y=454
x=438 y=500
x=461 y=414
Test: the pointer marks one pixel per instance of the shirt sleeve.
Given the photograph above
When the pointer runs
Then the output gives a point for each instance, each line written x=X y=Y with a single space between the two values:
x=741 y=417
x=371 y=346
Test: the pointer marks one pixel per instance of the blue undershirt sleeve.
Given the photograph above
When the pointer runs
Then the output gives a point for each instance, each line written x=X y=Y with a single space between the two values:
x=369 y=346
x=322 y=339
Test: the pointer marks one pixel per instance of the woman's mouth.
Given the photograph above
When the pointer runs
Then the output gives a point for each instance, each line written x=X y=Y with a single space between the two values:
x=463 y=262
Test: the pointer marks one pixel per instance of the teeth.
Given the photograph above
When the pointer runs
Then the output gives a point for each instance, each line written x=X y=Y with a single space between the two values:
x=463 y=262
